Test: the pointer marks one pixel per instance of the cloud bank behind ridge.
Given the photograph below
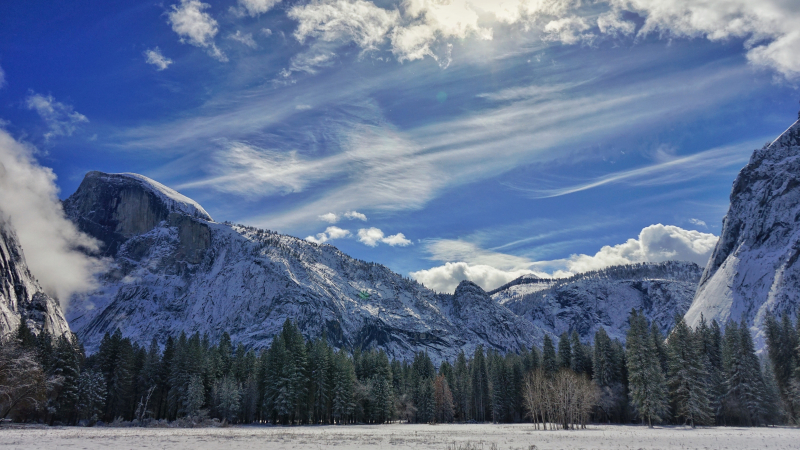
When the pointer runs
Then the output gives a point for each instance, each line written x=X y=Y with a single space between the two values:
x=51 y=243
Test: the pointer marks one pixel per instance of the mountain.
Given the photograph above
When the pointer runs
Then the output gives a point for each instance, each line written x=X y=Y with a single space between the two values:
x=754 y=267
x=176 y=270
x=587 y=301
x=21 y=297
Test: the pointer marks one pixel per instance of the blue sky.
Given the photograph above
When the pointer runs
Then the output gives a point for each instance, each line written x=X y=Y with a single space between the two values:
x=478 y=139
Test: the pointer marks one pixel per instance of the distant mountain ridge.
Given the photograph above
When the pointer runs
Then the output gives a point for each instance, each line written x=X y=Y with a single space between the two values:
x=587 y=301
x=176 y=270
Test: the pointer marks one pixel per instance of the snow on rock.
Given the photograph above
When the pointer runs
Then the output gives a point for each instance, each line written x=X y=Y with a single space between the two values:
x=21 y=297
x=176 y=272
x=588 y=301
x=754 y=268
x=116 y=207
x=174 y=199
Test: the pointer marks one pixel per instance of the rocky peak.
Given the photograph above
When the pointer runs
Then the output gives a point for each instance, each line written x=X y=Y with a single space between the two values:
x=116 y=207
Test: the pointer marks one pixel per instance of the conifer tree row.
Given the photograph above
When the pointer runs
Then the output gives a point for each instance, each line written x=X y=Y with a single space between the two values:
x=695 y=377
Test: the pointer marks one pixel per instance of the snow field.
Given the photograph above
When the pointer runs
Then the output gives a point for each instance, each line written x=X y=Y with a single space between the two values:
x=400 y=436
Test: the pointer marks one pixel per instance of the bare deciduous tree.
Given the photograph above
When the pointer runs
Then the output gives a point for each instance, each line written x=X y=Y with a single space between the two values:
x=564 y=400
x=22 y=382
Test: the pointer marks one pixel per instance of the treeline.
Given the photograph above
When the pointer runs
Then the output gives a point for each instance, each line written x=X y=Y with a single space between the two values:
x=702 y=376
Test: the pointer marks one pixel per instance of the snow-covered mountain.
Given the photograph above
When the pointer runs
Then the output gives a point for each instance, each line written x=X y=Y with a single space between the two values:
x=174 y=269
x=587 y=301
x=754 y=267
x=21 y=297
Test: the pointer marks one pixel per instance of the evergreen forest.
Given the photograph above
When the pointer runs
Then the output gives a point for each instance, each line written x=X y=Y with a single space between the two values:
x=702 y=376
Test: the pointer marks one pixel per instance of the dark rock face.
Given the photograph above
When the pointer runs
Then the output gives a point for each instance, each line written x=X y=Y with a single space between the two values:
x=586 y=302
x=115 y=207
x=754 y=268
x=21 y=297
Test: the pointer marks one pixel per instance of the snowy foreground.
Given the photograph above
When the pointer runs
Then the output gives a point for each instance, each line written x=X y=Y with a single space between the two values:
x=441 y=437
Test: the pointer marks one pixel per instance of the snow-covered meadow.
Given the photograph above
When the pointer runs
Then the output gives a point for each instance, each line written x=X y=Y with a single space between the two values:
x=440 y=437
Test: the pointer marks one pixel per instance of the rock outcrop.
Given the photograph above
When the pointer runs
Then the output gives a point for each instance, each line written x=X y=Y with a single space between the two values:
x=754 y=267
x=21 y=297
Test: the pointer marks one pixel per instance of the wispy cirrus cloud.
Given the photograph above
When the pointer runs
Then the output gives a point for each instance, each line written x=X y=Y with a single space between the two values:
x=674 y=170
x=369 y=164
x=61 y=119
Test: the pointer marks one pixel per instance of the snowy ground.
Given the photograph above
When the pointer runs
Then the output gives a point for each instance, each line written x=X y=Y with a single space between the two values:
x=399 y=436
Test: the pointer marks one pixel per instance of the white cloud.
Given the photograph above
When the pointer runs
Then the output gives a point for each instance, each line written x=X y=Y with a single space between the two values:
x=256 y=7
x=398 y=239
x=353 y=215
x=490 y=269
x=51 y=243
x=266 y=32
x=611 y=23
x=698 y=222
x=446 y=278
x=358 y=21
x=155 y=58
x=656 y=243
x=196 y=26
x=770 y=27
x=350 y=215
x=568 y=30
x=372 y=236
x=329 y=217
x=244 y=38
x=2 y=78
x=330 y=233
x=302 y=107
x=61 y=119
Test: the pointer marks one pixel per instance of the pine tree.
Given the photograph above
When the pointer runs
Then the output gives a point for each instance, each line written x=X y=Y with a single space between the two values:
x=195 y=396
x=227 y=395
x=320 y=372
x=688 y=375
x=67 y=366
x=91 y=395
x=426 y=404
x=549 y=363
x=580 y=361
x=461 y=388
x=444 y=400
x=343 y=382
x=782 y=344
x=603 y=370
x=564 y=352
x=744 y=385
x=647 y=385
x=480 y=386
